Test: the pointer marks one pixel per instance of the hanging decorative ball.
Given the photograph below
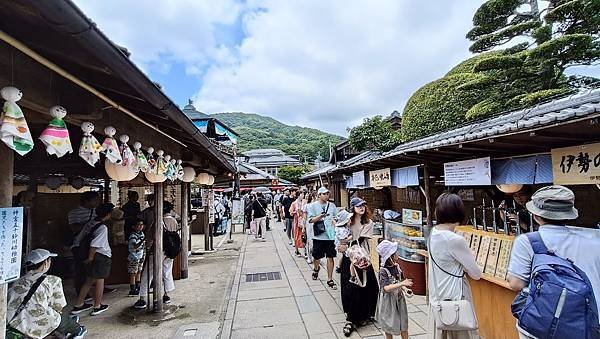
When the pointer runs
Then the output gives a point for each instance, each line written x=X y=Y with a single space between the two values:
x=77 y=183
x=203 y=178
x=510 y=188
x=188 y=174
x=118 y=172
x=155 y=178
x=53 y=183
x=211 y=180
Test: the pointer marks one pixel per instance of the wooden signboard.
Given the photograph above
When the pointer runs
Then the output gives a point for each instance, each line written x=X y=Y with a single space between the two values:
x=576 y=165
x=503 y=258
x=492 y=259
x=483 y=252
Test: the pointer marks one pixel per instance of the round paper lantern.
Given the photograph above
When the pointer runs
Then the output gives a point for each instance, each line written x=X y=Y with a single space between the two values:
x=188 y=174
x=53 y=183
x=155 y=178
x=510 y=188
x=203 y=178
x=119 y=172
x=211 y=180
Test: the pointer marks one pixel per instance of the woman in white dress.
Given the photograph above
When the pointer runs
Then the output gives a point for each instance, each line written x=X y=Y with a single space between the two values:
x=451 y=252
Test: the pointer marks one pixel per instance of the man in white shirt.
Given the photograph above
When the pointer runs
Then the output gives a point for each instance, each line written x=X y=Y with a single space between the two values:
x=78 y=218
x=323 y=242
x=552 y=207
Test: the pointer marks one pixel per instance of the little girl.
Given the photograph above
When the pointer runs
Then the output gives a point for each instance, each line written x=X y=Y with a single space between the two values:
x=392 y=314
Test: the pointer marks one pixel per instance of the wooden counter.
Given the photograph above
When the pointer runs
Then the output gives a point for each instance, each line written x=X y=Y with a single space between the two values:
x=492 y=297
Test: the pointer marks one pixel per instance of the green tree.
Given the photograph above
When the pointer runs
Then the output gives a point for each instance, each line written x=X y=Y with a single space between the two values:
x=292 y=173
x=374 y=133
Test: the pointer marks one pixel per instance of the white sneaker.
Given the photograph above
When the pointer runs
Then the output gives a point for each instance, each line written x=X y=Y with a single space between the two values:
x=263 y=239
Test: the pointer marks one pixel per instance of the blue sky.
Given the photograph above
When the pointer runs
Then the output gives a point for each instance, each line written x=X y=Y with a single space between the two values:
x=321 y=64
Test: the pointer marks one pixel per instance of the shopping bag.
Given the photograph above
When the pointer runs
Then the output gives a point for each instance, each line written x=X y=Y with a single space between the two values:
x=253 y=227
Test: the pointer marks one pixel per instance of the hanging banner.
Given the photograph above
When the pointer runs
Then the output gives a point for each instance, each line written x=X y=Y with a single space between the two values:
x=576 y=165
x=358 y=178
x=475 y=172
x=380 y=178
x=11 y=239
x=208 y=202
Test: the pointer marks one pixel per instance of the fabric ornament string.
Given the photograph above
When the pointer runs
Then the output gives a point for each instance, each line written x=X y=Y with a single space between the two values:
x=127 y=158
x=151 y=161
x=141 y=163
x=170 y=172
x=56 y=135
x=90 y=148
x=14 y=131
x=110 y=147
x=161 y=163
x=179 y=168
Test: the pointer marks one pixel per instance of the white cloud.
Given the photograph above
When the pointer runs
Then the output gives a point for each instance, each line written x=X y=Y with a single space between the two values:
x=327 y=64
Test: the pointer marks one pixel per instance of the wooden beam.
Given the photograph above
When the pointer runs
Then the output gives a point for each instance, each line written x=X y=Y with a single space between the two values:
x=157 y=273
x=185 y=228
x=427 y=193
x=6 y=192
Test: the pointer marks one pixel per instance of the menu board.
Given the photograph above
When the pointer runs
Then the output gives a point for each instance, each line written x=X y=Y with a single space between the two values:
x=484 y=248
x=503 y=258
x=475 y=243
x=11 y=239
x=474 y=172
x=492 y=259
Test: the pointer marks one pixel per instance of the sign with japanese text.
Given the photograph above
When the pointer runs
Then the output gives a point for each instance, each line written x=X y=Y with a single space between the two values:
x=380 y=178
x=358 y=178
x=11 y=239
x=208 y=201
x=475 y=172
x=412 y=217
x=576 y=165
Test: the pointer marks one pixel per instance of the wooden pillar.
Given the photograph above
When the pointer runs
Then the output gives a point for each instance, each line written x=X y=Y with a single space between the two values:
x=158 y=247
x=206 y=229
x=185 y=228
x=427 y=193
x=6 y=193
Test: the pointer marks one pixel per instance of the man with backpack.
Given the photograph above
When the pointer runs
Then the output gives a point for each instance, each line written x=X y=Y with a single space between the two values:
x=259 y=215
x=98 y=261
x=556 y=271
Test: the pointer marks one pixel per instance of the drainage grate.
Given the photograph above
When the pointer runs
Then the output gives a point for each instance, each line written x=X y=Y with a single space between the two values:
x=254 y=277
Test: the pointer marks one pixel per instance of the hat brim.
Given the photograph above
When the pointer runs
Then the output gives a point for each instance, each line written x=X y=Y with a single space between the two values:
x=345 y=221
x=552 y=215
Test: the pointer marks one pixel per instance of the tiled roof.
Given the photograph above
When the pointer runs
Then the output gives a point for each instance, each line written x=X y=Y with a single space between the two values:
x=317 y=172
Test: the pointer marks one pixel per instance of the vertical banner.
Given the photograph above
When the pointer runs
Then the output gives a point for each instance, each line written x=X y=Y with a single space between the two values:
x=358 y=178
x=576 y=165
x=380 y=178
x=208 y=202
x=11 y=240
x=475 y=172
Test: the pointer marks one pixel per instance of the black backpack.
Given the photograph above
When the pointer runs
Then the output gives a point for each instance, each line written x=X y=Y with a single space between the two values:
x=171 y=243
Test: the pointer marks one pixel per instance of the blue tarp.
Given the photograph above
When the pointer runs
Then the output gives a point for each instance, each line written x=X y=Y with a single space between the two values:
x=406 y=176
x=535 y=169
x=222 y=130
x=201 y=125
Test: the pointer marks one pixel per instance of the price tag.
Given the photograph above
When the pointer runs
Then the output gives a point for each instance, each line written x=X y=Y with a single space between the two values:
x=503 y=258
x=492 y=260
x=482 y=255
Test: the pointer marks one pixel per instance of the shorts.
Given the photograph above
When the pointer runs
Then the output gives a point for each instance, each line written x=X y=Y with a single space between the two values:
x=135 y=265
x=100 y=267
x=323 y=248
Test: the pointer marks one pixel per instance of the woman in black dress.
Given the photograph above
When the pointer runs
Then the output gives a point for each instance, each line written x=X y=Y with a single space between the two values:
x=359 y=299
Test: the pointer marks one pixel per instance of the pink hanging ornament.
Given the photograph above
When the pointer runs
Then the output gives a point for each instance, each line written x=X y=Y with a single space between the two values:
x=110 y=147
x=56 y=135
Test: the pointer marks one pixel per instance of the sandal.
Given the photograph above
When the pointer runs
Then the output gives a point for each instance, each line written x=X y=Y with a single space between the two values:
x=332 y=284
x=348 y=329
x=315 y=274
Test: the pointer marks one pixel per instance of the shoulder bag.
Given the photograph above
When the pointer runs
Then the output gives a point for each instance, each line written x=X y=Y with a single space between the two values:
x=319 y=226
x=453 y=315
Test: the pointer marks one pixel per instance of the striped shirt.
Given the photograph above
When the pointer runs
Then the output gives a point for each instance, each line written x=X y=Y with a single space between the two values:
x=81 y=215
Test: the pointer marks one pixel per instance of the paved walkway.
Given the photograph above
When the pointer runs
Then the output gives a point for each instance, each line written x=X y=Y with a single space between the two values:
x=294 y=306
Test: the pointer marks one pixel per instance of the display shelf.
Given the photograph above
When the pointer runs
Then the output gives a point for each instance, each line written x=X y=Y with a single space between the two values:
x=412 y=250
x=415 y=238
x=413 y=260
x=409 y=237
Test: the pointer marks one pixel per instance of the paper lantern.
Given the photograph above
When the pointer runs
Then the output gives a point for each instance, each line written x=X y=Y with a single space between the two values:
x=510 y=188
x=211 y=180
x=53 y=183
x=155 y=178
x=203 y=178
x=118 y=172
x=188 y=174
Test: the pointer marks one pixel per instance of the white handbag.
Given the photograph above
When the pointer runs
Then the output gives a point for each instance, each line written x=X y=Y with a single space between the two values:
x=453 y=315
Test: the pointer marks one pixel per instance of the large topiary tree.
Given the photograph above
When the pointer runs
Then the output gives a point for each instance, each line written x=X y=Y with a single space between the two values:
x=374 y=133
x=553 y=34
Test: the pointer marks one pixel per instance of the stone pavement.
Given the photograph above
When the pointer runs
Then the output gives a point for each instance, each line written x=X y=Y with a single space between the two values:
x=294 y=306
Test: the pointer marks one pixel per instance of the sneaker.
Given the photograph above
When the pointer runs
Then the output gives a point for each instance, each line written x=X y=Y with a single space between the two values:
x=140 y=304
x=82 y=332
x=75 y=318
x=338 y=270
x=99 y=310
x=108 y=290
x=82 y=308
x=263 y=239
x=166 y=299
x=134 y=292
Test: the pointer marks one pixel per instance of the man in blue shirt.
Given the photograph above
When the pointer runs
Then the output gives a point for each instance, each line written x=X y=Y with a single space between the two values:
x=321 y=214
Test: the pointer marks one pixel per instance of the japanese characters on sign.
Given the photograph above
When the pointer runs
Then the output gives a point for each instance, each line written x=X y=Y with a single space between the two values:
x=412 y=217
x=11 y=239
x=474 y=172
x=576 y=165
x=380 y=178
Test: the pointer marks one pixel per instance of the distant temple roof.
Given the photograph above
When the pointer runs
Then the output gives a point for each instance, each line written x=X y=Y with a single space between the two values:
x=270 y=157
x=192 y=112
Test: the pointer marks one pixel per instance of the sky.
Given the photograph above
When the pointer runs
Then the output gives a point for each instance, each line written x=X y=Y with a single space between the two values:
x=314 y=63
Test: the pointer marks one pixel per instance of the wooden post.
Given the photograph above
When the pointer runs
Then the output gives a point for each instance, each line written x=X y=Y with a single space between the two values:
x=6 y=193
x=185 y=228
x=427 y=193
x=206 y=229
x=158 y=247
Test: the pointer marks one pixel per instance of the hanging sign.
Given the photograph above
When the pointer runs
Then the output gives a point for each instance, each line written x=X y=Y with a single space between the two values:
x=208 y=201
x=11 y=238
x=475 y=172
x=576 y=165
x=380 y=178
x=358 y=178
x=412 y=217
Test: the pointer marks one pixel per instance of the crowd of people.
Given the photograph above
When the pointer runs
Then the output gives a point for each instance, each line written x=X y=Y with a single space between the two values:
x=313 y=223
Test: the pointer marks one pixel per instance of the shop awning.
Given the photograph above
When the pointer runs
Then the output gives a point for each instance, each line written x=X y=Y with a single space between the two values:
x=535 y=169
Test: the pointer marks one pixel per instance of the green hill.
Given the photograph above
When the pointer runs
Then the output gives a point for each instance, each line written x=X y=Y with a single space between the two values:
x=257 y=131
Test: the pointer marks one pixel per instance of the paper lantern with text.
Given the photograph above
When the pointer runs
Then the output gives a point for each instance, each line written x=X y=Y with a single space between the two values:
x=211 y=180
x=155 y=177
x=118 y=172
x=188 y=174
x=203 y=178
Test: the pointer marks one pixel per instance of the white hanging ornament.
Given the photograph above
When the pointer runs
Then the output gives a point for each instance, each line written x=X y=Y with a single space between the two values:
x=202 y=178
x=140 y=159
x=161 y=163
x=14 y=131
x=151 y=161
x=179 y=169
x=110 y=147
x=127 y=158
x=188 y=174
x=170 y=173
x=56 y=135
x=211 y=180
x=118 y=172
x=90 y=148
